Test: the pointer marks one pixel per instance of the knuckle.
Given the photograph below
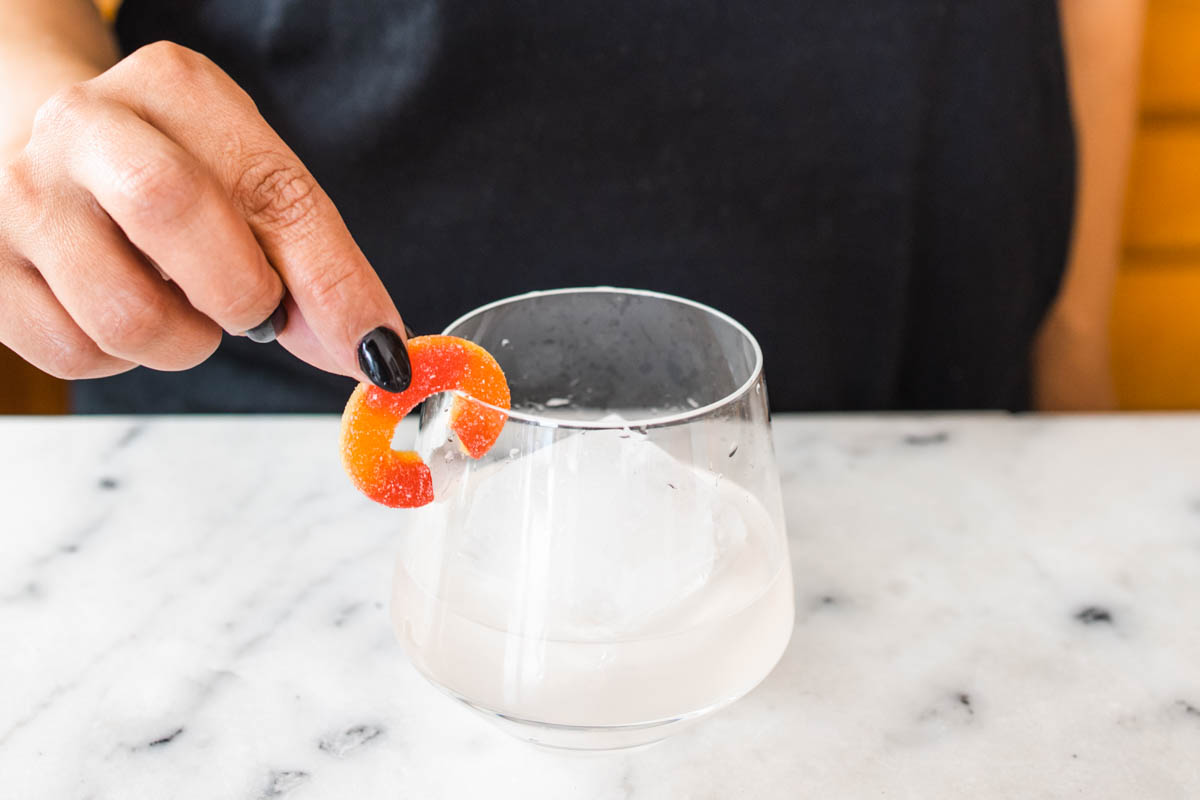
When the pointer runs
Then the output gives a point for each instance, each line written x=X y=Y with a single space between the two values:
x=130 y=325
x=191 y=349
x=160 y=189
x=63 y=108
x=17 y=187
x=68 y=357
x=329 y=287
x=257 y=298
x=23 y=211
x=170 y=60
x=276 y=193
x=201 y=349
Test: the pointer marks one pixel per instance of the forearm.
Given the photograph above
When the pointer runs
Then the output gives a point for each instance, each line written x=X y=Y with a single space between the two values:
x=44 y=46
x=1102 y=39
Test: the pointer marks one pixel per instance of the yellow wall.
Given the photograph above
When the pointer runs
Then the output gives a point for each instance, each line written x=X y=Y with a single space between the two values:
x=1156 y=316
x=108 y=8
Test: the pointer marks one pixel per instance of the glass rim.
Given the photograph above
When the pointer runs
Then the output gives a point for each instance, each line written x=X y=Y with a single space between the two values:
x=625 y=424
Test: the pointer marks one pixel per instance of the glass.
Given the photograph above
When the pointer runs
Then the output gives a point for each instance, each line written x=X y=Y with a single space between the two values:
x=616 y=566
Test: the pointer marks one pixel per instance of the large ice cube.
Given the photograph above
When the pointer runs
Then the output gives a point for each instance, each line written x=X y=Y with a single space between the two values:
x=591 y=537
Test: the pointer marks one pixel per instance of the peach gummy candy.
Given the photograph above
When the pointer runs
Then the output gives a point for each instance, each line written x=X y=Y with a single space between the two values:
x=439 y=364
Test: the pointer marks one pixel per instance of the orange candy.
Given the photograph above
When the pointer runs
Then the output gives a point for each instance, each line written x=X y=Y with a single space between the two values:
x=439 y=364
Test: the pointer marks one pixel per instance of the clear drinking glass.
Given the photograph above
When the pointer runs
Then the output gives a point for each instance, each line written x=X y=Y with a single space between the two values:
x=616 y=566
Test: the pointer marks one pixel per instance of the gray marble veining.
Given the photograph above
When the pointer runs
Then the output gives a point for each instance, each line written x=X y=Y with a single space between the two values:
x=987 y=607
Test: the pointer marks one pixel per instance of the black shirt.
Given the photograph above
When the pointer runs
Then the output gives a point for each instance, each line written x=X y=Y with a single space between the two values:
x=881 y=191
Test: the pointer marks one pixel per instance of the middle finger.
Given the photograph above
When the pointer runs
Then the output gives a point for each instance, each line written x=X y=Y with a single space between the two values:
x=113 y=293
x=174 y=211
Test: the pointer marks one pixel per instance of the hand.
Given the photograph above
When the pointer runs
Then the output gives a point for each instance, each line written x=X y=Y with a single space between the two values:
x=153 y=207
x=1071 y=369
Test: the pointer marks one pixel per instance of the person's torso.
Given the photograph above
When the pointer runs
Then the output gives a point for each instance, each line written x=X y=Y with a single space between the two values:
x=880 y=191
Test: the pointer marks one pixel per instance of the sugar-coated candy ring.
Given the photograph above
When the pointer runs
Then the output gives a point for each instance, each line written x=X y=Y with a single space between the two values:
x=400 y=479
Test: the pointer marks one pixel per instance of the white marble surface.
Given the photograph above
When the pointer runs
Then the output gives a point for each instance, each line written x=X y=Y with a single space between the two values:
x=988 y=607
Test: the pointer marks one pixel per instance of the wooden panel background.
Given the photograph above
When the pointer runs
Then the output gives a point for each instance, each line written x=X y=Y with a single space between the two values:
x=1158 y=346
x=1156 y=314
x=1163 y=208
x=1171 y=65
x=24 y=390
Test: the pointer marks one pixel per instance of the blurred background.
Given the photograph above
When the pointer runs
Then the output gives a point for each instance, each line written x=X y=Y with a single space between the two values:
x=1156 y=314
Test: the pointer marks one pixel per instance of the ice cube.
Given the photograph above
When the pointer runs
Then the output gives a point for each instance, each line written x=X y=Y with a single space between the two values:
x=590 y=538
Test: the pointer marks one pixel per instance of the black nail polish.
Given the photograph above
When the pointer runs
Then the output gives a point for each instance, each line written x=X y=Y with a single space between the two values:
x=408 y=332
x=384 y=359
x=268 y=329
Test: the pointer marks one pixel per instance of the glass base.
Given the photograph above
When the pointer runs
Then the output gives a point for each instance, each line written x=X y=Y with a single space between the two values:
x=585 y=738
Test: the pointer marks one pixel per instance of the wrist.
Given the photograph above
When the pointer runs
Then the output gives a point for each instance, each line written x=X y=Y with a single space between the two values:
x=36 y=77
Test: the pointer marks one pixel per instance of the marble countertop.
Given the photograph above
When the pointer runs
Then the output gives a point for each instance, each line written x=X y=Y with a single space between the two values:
x=987 y=607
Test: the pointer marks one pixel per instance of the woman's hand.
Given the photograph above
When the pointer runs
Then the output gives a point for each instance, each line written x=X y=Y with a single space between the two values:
x=1071 y=369
x=1071 y=354
x=152 y=208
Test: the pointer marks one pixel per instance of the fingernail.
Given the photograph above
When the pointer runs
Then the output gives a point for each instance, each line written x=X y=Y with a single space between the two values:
x=384 y=359
x=408 y=332
x=268 y=329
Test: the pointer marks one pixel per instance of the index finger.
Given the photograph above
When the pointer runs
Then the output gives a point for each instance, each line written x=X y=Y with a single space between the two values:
x=338 y=294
